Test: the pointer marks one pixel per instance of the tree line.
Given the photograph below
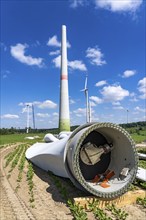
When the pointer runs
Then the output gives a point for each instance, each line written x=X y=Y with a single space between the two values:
x=13 y=130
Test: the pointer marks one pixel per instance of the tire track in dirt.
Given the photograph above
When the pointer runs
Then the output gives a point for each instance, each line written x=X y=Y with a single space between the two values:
x=12 y=207
x=44 y=201
x=6 y=209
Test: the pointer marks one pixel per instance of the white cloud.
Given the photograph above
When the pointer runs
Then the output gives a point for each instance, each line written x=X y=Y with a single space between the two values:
x=68 y=44
x=57 y=61
x=119 y=5
x=18 y=52
x=28 y=103
x=21 y=104
x=77 y=64
x=53 y=41
x=114 y=93
x=47 y=104
x=128 y=73
x=95 y=118
x=3 y=46
x=142 y=88
x=52 y=53
x=55 y=114
x=133 y=97
x=9 y=116
x=38 y=104
x=80 y=112
x=5 y=73
x=92 y=104
x=71 y=101
x=118 y=108
x=96 y=99
x=111 y=93
x=76 y=3
x=95 y=56
x=132 y=94
x=43 y=115
x=137 y=108
x=101 y=83
x=112 y=5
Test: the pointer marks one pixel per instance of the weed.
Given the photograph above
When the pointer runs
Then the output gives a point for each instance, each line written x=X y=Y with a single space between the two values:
x=98 y=213
x=132 y=187
x=141 y=150
x=11 y=156
x=77 y=210
x=16 y=158
x=142 y=163
x=140 y=184
x=21 y=165
x=118 y=213
x=141 y=201
x=30 y=174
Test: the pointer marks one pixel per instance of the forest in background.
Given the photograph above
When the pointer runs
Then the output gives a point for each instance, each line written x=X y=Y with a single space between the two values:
x=134 y=127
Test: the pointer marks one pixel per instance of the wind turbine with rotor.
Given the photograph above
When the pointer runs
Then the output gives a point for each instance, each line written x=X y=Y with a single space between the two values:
x=28 y=105
x=88 y=105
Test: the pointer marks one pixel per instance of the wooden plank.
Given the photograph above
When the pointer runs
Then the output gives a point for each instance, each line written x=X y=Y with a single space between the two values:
x=126 y=199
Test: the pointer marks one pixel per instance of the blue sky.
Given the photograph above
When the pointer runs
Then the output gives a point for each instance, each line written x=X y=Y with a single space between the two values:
x=106 y=40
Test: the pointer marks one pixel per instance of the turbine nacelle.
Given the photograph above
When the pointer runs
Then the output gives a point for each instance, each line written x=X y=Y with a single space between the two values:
x=99 y=158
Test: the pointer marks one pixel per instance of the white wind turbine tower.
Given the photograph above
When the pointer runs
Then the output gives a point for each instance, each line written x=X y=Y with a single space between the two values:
x=90 y=112
x=28 y=116
x=27 y=127
x=33 y=116
x=88 y=109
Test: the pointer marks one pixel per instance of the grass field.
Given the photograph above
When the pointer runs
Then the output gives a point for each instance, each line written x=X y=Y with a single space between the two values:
x=138 y=137
x=16 y=163
x=15 y=138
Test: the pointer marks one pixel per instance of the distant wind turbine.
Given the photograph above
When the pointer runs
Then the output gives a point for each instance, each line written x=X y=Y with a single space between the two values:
x=27 y=128
x=27 y=110
x=90 y=112
x=33 y=116
x=85 y=90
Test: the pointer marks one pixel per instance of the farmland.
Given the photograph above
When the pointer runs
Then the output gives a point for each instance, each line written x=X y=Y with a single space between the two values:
x=31 y=193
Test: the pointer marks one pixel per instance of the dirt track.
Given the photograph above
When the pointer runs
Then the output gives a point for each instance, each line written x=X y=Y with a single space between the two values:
x=48 y=203
x=12 y=207
x=16 y=205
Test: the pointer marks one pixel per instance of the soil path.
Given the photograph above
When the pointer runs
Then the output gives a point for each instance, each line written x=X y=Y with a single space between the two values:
x=12 y=207
x=48 y=203
x=17 y=206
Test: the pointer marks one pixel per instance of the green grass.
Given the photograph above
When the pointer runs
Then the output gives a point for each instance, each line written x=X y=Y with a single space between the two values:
x=13 y=138
x=138 y=138
x=141 y=150
x=142 y=163
x=138 y=134
x=141 y=201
